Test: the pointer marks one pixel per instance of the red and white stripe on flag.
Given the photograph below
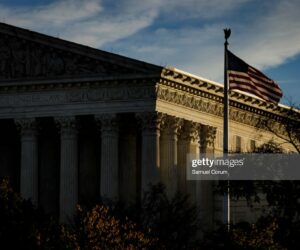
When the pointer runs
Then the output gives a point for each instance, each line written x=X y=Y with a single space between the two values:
x=248 y=79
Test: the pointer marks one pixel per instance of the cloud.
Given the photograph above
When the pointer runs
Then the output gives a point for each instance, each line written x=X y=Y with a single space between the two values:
x=201 y=9
x=62 y=12
x=197 y=50
x=97 y=32
x=270 y=38
x=82 y=21
x=98 y=22
x=53 y=15
x=185 y=34
x=273 y=38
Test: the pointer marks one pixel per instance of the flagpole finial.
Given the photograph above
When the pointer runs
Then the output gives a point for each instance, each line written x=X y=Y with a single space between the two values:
x=227 y=33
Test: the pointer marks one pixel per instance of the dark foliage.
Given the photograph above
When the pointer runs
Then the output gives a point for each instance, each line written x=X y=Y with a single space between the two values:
x=23 y=226
x=172 y=221
x=156 y=223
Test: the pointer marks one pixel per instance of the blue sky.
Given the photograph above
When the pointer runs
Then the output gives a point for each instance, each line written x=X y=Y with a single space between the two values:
x=185 y=34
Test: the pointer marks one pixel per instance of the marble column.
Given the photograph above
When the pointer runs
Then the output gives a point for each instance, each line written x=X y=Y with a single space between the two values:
x=169 y=164
x=109 y=183
x=205 y=189
x=207 y=139
x=128 y=166
x=150 y=123
x=187 y=145
x=29 y=159
x=68 y=196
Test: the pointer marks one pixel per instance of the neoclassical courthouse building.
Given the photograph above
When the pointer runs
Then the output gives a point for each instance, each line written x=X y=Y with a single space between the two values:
x=77 y=122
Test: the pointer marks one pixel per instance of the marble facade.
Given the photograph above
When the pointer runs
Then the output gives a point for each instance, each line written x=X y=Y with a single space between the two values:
x=78 y=123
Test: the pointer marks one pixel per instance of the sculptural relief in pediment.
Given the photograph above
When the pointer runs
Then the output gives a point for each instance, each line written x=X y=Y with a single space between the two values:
x=22 y=58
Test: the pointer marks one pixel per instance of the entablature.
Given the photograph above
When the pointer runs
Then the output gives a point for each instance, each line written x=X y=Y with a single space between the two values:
x=204 y=95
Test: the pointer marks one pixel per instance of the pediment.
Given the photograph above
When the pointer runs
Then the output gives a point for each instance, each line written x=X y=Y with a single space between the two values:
x=29 y=55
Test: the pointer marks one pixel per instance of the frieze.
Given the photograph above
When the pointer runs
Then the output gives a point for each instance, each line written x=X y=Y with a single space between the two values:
x=80 y=95
x=32 y=99
x=206 y=105
x=189 y=101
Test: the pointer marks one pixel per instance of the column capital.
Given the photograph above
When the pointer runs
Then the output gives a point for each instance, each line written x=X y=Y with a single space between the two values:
x=27 y=126
x=207 y=135
x=189 y=131
x=66 y=124
x=108 y=123
x=150 y=121
x=171 y=125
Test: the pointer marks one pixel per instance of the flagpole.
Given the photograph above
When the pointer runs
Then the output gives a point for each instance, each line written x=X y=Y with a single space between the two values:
x=227 y=33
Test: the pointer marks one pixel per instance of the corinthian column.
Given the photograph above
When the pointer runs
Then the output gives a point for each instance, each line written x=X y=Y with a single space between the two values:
x=109 y=183
x=208 y=202
x=169 y=167
x=150 y=124
x=128 y=165
x=207 y=139
x=29 y=158
x=68 y=196
x=187 y=144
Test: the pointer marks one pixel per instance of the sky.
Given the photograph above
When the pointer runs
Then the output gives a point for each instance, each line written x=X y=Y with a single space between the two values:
x=186 y=34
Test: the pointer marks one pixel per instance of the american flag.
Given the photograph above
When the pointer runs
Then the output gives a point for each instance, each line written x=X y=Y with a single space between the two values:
x=248 y=79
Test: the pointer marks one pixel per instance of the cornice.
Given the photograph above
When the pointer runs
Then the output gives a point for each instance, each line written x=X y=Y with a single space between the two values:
x=213 y=91
x=69 y=83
